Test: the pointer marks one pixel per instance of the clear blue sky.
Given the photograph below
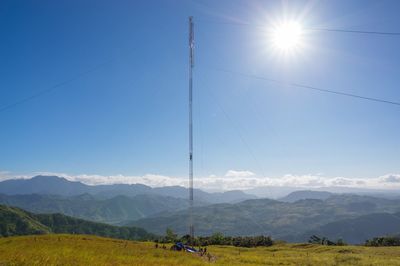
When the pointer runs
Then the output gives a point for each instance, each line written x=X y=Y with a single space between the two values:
x=129 y=115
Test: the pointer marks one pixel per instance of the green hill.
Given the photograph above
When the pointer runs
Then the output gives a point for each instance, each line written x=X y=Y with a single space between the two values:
x=14 y=221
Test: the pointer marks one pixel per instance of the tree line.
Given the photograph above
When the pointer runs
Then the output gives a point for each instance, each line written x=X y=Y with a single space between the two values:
x=384 y=241
x=217 y=239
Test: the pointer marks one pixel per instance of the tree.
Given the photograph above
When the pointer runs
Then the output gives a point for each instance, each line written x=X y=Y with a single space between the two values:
x=170 y=236
x=217 y=239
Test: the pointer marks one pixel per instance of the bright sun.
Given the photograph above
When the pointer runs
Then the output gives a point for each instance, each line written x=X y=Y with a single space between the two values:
x=287 y=36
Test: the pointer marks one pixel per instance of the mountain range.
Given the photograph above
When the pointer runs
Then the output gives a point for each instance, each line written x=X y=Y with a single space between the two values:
x=111 y=210
x=54 y=185
x=290 y=221
x=294 y=217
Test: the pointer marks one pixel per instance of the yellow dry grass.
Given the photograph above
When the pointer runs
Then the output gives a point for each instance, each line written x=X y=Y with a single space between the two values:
x=91 y=250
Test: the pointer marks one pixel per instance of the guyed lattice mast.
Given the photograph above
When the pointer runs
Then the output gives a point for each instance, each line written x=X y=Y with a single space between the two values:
x=191 y=64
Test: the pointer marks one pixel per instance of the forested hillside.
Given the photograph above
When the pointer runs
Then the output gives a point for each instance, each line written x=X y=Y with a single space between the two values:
x=14 y=221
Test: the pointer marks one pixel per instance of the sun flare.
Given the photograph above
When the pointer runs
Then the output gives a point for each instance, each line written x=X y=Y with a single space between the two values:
x=287 y=36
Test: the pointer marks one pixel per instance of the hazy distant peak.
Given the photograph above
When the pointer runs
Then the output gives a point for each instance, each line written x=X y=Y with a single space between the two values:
x=51 y=178
x=306 y=194
x=55 y=185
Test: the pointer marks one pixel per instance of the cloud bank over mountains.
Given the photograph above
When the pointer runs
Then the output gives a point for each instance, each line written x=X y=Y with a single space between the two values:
x=232 y=180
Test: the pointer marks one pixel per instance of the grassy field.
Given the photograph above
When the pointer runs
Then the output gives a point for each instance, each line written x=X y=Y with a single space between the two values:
x=90 y=250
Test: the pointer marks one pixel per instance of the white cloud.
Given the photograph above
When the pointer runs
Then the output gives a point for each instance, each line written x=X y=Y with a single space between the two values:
x=4 y=175
x=234 y=173
x=152 y=180
x=233 y=179
x=390 y=178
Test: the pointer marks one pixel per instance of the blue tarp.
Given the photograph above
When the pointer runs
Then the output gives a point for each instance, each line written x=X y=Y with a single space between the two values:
x=181 y=246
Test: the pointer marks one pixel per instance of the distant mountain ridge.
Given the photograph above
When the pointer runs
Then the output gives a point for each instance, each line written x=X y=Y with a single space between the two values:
x=86 y=206
x=358 y=230
x=306 y=194
x=54 y=185
x=278 y=192
x=283 y=220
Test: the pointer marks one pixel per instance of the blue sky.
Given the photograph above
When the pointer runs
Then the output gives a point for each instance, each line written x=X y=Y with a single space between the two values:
x=128 y=115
